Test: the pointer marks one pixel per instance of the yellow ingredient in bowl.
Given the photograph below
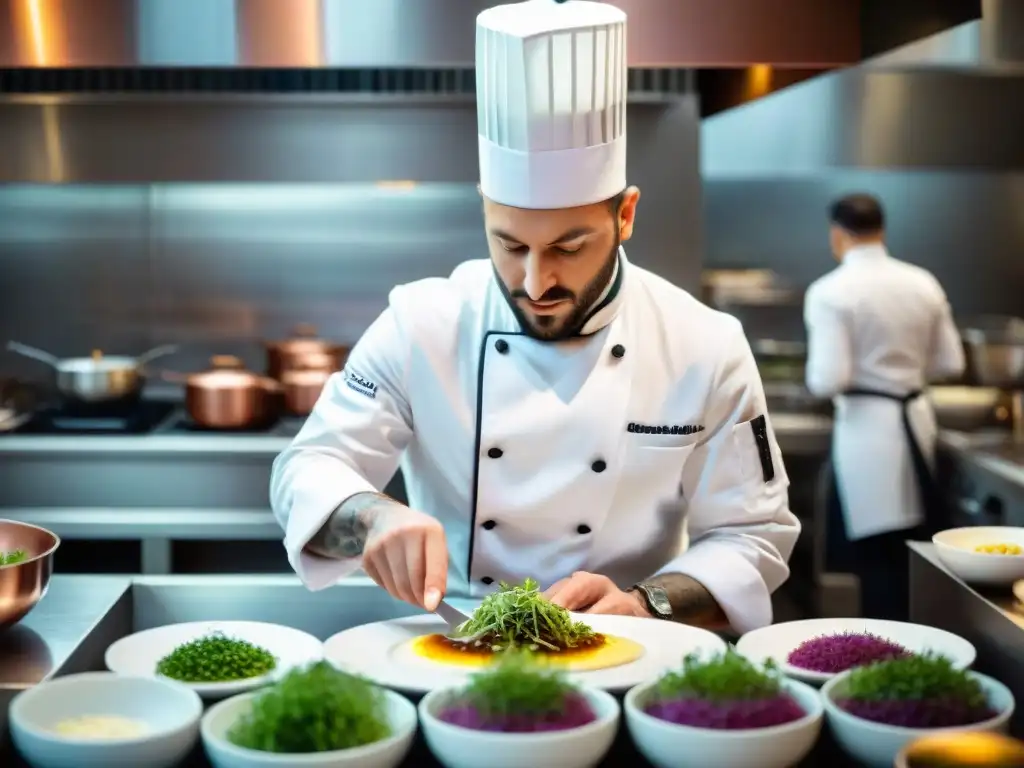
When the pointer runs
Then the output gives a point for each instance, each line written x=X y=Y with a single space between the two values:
x=101 y=727
x=998 y=549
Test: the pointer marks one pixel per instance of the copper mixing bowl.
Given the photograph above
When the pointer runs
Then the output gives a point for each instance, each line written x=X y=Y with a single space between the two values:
x=23 y=584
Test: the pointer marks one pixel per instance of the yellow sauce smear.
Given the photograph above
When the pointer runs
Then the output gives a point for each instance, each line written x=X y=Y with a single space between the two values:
x=998 y=549
x=101 y=728
x=602 y=652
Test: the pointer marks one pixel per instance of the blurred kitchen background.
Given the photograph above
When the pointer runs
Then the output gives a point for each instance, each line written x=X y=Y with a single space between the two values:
x=220 y=175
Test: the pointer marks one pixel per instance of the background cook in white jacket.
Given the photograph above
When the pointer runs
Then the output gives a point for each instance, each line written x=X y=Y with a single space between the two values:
x=878 y=330
x=558 y=412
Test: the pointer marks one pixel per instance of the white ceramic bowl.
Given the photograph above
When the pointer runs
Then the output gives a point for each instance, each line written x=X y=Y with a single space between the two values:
x=667 y=745
x=955 y=547
x=386 y=753
x=877 y=745
x=171 y=712
x=458 y=747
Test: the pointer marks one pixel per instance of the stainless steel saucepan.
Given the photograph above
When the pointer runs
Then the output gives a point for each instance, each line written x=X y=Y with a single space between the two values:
x=99 y=378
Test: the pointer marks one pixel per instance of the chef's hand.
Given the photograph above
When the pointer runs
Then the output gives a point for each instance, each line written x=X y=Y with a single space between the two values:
x=591 y=593
x=406 y=553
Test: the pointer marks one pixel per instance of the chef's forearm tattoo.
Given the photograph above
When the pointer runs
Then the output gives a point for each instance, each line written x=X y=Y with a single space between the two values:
x=691 y=602
x=346 y=530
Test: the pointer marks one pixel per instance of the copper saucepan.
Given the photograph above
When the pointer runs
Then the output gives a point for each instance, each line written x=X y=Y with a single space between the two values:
x=304 y=351
x=228 y=396
x=302 y=386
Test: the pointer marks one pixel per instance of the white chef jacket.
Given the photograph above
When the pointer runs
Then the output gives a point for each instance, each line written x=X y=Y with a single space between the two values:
x=540 y=459
x=878 y=323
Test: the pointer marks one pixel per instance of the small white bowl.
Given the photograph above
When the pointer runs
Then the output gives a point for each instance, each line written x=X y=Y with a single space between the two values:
x=386 y=753
x=170 y=710
x=668 y=745
x=955 y=547
x=458 y=747
x=877 y=745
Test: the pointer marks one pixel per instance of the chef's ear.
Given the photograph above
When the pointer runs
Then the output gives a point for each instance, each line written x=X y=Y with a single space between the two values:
x=627 y=212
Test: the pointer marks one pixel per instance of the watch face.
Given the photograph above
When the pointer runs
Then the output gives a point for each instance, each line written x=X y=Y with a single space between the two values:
x=658 y=599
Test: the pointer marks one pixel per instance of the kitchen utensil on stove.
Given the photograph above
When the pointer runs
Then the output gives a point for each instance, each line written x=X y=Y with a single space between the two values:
x=228 y=396
x=301 y=387
x=24 y=583
x=98 y=378
x=995 y=351
x=18 y=403
x=304 y=351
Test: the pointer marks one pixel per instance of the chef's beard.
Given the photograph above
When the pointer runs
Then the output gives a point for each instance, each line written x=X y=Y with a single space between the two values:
x=560 y=328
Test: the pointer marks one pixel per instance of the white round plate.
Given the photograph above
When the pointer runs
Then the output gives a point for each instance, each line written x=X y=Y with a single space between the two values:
x=380 y=652
x=777 y=641
x=138 y=654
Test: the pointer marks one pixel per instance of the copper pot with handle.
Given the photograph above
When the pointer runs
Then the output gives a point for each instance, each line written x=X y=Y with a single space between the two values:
x=228 y=396
x=304 y=351
x=301 y=387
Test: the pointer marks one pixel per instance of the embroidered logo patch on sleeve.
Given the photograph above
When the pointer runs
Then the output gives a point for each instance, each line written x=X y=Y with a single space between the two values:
x=360 y=384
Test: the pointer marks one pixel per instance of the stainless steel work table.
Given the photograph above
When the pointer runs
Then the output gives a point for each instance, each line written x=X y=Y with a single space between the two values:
x=70 y=630
x=986 y=617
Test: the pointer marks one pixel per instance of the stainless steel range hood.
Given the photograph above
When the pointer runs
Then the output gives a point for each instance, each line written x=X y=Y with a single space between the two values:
x=953 y=101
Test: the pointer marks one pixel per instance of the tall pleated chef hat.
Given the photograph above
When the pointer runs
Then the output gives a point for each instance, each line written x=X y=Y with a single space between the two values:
x=551 y=103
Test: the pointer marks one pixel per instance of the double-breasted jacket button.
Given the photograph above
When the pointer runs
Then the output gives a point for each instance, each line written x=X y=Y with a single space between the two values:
x=488 y=524
x=599 y=465
x=583 y=529
x=487 y=580
x=495 y=453
x=618 y=351
x=502 y=346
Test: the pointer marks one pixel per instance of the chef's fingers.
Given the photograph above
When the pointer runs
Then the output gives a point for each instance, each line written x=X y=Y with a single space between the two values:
x=415 y=567
x=555 y=588
x=435 y=553
x=376 y=568
x=582 y=591
x=398 y=569
x=612 y=605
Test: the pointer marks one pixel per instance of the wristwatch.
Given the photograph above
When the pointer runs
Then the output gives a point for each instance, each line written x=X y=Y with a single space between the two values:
x=655 y=598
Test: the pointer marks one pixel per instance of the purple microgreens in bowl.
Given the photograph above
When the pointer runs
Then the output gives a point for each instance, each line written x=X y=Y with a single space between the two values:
x=835 y=653
x=518 y=694
x=917 y=691
x=725 y=692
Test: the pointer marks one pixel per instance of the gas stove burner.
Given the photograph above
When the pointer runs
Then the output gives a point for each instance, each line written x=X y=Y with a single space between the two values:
x=123 y=419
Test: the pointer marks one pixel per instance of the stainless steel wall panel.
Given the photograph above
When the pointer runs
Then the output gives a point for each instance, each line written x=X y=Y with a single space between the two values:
x=70 y=269
x=106 y=139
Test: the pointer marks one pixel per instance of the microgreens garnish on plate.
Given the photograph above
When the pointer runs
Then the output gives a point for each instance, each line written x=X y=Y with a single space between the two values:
x=519 y=615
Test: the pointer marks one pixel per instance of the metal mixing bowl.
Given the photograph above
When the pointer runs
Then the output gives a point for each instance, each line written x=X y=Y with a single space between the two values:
x=23 y=584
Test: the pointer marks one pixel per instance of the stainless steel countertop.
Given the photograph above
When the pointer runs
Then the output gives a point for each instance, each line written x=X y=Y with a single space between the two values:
x=989 y=450
x=796 y=433
x=43 y=642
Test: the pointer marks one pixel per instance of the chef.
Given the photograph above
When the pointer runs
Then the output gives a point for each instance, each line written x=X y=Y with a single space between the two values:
x=878 y=330
x=558 y=412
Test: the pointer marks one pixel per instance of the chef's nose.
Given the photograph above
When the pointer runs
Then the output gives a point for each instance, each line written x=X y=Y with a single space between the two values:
x=538 y=278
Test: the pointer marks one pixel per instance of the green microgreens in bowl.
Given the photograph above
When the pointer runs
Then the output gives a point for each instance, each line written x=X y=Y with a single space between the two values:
x=216 y=658
x=517 y=684
x=313 y=709
x=519 y=615
x=725 y=677
x=13 y=557
x=927 y=676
